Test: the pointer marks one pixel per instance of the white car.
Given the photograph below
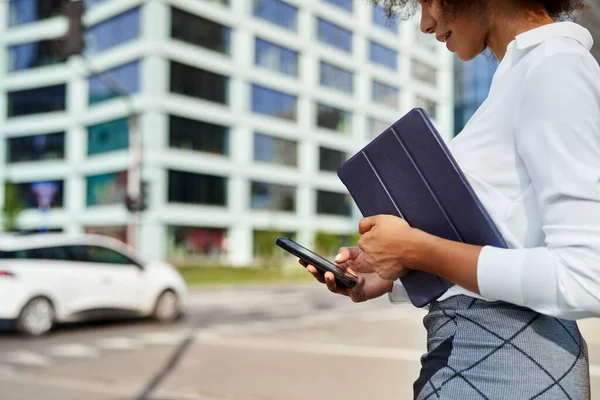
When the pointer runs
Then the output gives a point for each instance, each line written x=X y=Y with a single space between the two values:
x=54 y=278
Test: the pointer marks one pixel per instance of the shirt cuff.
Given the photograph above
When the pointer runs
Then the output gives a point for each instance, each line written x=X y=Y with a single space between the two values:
x=500 y=274
x=398 y=295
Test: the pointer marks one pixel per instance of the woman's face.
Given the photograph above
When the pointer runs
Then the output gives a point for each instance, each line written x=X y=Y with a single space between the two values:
x=464 y=33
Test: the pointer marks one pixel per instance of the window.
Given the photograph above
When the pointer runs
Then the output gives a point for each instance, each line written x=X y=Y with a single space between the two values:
x=334 y=118
x=276 y=104
x=198 y=83
x=100 y=255
x=276 y=58
x=345 y=4
x=273 y=150
x=334 y=35
x=92 y=3
x=36 y=148
x=36 y=101
x=385 y=94
x=25 y=11
x=106 y=189
x=26 y=193
x=200 y=31
x=376 y=127
x=32 y=55
x=126 y=76
x=108 y=136
x=278 y=12
x=330 y=160
x=428 y=105
x=270 y=196
x=337 y=78
x=58 y=253
x=186 y=242
x=380 y=18
x=113 y=32
x=195 y=135
x=383 y=55
x=115 y=232
x=424 y=72
x=193 y=188
x=331 y=203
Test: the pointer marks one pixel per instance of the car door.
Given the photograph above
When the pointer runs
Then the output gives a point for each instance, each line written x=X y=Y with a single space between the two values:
x=55 y=272
x=120 y=277
x=85 y=279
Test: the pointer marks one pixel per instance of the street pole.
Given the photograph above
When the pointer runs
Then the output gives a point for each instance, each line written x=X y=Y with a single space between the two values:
x=73 y=44
x=134 y=178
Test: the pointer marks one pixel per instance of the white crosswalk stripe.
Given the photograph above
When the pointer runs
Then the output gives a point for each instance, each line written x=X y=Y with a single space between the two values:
x=6 y=371
x=119 y=343
x=74 y=350
x=26 y=357
x=162 y=338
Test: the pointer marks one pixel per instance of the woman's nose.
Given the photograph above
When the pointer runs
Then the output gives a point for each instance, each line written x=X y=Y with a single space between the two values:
x=427 y=23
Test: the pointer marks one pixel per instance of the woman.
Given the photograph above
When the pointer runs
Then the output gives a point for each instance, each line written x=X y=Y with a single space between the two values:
x=507 y=329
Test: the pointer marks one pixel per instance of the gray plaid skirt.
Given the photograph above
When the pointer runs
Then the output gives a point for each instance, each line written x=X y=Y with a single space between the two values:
x=494 y=350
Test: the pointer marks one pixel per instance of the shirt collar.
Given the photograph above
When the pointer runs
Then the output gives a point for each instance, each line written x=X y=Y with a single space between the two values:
x=557 y=29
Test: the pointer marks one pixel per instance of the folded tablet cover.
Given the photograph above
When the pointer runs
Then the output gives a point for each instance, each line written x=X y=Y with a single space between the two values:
x=409 y=172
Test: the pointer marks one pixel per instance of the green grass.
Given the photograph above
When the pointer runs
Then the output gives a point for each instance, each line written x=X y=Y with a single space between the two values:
x=223 y=275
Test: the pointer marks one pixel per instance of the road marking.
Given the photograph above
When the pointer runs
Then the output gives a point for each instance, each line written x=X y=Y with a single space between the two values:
x=332 y=349
x=162 y=338
x=113 y=389
x=25 y=357
x=119 y=343
x=309 y=321
x=206 y=335
x=73 y=350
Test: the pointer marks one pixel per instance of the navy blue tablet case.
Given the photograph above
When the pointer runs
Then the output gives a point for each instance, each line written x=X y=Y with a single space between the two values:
x=409 y=172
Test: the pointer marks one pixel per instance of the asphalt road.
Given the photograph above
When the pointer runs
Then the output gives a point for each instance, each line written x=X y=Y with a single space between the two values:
x=274 y=342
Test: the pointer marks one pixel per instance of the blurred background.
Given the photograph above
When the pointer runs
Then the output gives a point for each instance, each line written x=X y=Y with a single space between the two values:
x=152 y=150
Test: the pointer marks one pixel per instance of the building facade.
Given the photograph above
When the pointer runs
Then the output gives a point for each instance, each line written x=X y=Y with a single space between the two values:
x=472 y=81
x=590 y=18
x=246 y=109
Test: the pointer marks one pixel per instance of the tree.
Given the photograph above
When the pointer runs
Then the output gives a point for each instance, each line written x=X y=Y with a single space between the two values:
x=267 y=252
x=12 y=207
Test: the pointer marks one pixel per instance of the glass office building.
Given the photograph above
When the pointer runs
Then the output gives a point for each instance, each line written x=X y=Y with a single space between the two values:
x=246 y=107
x=472 y=85
x=590 y=19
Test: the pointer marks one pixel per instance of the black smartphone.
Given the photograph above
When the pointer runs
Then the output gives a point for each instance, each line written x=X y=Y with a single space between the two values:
x=342 y=277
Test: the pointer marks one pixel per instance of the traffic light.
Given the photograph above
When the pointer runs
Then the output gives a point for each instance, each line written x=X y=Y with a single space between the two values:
x=141 y=203
x=73 y=43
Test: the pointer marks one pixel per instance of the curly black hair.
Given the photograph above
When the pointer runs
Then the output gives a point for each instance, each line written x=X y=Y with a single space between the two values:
x=406 y=8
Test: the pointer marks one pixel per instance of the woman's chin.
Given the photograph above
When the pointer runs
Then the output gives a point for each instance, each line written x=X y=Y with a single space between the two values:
x=465 y=56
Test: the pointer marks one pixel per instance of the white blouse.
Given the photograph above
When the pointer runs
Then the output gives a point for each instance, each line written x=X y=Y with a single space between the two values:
x=532 y=154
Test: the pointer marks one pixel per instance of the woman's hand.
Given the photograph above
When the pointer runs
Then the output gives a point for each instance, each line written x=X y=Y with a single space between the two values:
x=369 y=285
x=389 y=245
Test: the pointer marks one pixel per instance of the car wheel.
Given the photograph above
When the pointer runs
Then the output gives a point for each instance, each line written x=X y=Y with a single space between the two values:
x=166 y=308
x=36 y=318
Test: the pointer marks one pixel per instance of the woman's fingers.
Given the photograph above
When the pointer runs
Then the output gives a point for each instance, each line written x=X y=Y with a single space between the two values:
x=330 y=282
x=316 y=273
x=357 y=292
x=346 y=254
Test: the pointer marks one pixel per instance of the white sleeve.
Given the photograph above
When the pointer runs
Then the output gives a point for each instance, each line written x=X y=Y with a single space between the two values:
x=398 y=295
x=558 y=139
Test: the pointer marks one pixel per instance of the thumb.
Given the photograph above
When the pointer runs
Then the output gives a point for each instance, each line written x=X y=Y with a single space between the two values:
x=366 y=224
x=347 y=254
